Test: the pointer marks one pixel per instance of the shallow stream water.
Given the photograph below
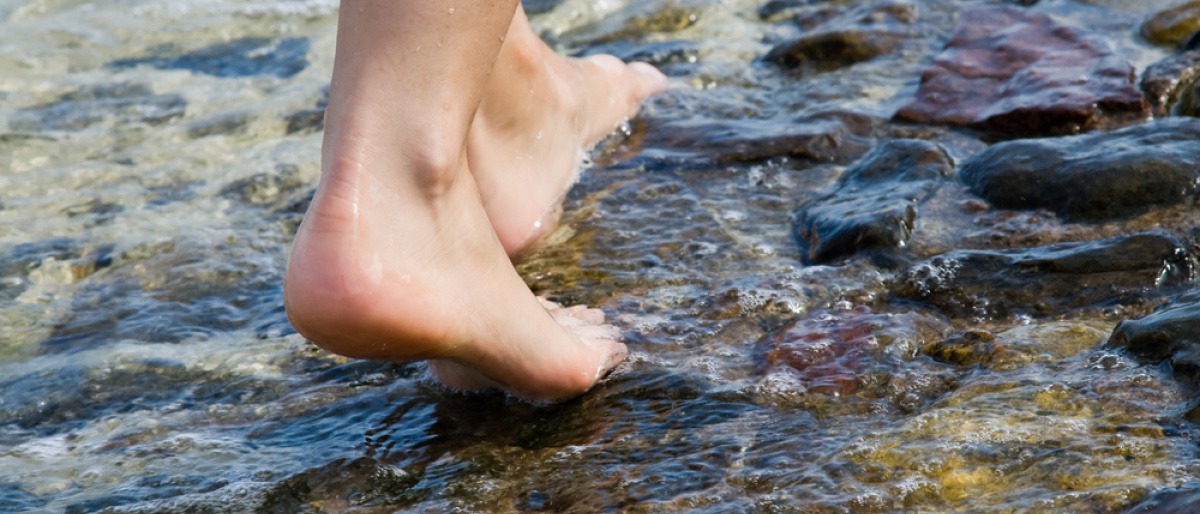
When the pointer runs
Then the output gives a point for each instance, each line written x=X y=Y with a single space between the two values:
x=156 y=158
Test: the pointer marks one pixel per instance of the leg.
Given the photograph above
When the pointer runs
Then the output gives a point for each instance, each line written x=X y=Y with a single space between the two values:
x=397 y=259
x=538 y=114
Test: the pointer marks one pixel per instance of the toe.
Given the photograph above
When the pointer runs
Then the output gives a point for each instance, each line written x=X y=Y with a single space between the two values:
x=650 y=80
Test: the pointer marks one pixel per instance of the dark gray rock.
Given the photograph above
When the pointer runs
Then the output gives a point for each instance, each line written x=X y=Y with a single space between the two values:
x=1012 y=73
x=852 y=37
x=86 y=106
x=1184 y=499
x=306 y=121
x=873 y=207
x=228 y=123
x=1172 y=332
x=309 y=120
x=1095 y=176
x=821 y=137
x=265 y=189
x=1048 y=280
x=246 y=57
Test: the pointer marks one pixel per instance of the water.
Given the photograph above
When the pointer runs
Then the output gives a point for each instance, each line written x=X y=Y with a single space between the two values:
x=158 y=157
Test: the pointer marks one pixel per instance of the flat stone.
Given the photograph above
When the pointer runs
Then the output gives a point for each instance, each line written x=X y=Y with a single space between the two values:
x=1048 y=280
x=874 y=205
x=246 y=57
x=86 y=106
x=823 y=137
x=1011 y=73
x=831 y=351
x=1172 y=332
x=1172 y=26
x=852 y=37
x=1097 y=176
x=1165 y=81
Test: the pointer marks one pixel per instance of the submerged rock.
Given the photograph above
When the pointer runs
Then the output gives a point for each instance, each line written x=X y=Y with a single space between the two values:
x=1176 y=500
x=246 y=57
x=266 y=189
x=1016 y=347
x=822 y=137
x=309 y=120
x=86 y=106
x=1166 y=81
x=874 y=204
x=227 y=123
x=832 y=352
x=1012 y=73
x=1048 y=280
x=1173 y=26
x=852 y=37
x=1095 y=176
x=1172 y=332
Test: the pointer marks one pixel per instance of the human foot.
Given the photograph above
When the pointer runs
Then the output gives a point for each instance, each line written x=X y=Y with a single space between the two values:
x=385 y=276
x=396 y=258
x=540 y=112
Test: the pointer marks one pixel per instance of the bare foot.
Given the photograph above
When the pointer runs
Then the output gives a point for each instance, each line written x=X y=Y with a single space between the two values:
x=540 y=113
x=397 y=258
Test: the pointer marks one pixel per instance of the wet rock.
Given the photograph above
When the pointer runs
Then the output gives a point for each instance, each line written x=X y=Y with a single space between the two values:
x=94 y=210
x=1094 y=176
x=832 y=352
x=873 y=207
x=822 y=137
x=778 y=9
x=1012 y=73
x=1172 y=26
x=265 y=189
x=228 y=123
x=1016 y=347
x=1164 y=82
x=1176 y=500
x=309 y=120
x=635 y=23
x=1050 y=279
x=306 y=121
x=86 y=106
x=360 y=481
x=1172 y=332
x=246 y=57
x=858 y=35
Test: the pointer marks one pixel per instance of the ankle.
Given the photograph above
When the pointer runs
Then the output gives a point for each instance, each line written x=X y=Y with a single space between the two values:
x=419 y=161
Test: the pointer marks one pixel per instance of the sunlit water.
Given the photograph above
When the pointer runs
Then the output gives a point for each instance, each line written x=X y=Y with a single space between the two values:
x=146 y=364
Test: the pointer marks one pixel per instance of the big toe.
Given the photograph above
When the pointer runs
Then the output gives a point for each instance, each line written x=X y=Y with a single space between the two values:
x=650 y=80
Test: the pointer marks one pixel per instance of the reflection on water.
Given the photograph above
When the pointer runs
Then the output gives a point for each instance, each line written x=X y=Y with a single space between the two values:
x=157 y=157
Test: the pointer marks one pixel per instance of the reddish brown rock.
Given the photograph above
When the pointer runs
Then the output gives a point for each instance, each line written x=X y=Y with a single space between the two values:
x=1014 y=74
x=832 y=351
